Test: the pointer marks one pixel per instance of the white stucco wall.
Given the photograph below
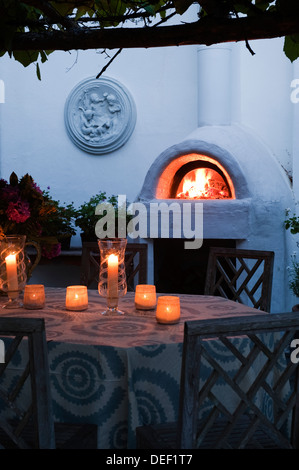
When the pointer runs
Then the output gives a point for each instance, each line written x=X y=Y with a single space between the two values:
x=33 y=135
x=264 y=102
x=164 y=85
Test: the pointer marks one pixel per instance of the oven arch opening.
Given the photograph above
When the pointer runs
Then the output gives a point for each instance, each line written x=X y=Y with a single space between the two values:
x=170 y=179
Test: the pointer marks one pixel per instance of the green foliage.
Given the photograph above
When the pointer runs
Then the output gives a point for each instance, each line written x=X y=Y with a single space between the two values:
x=27 y=210
x=182 y=5
x=291 y=47
x=85 y=217
x=47 y=17
x=28 y=57
x=294 y=276
x=61 y=221
x=292 y=224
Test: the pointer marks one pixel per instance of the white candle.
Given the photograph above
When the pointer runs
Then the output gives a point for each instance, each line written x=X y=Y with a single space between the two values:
x=145 y=297
x=112 y=276
x=76 y=298
x=34 y=296
x=11 y=271
x=168 y=309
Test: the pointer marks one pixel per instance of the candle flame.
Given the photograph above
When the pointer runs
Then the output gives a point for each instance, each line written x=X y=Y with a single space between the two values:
x=113 y=258
x=10 y=257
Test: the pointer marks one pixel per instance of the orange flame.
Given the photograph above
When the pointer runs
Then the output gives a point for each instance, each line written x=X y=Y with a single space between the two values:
x=203 y=183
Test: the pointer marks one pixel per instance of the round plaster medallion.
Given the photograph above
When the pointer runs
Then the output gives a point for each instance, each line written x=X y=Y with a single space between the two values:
x=100 y=115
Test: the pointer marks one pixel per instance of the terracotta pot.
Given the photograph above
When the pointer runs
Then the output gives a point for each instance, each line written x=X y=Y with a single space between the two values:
x=295 y=308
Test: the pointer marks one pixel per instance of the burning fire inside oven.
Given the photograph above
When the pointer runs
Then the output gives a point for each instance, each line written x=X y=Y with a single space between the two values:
x=203 y=183
x=194 y=176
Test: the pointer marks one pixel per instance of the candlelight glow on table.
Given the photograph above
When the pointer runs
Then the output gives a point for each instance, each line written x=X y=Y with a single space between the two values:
x=112 y=278
x=145 y=297
x=34 y=296
x=168 y=309
x=76 y=298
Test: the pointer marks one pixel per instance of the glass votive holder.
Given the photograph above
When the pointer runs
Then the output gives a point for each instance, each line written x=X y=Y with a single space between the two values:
x=145 y=297
x=168 y=309
x=76 y=298
x=34 y=296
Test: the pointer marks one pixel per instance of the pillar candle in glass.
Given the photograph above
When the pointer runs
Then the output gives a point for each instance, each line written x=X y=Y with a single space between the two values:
x=12 y=268
x=168 y=309
x=34 y=296
x=76 y=298
x=145 y=297
x=12 y=274
x=112 y=277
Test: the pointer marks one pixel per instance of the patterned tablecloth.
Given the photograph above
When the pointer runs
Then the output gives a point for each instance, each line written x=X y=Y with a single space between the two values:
x=119 y=371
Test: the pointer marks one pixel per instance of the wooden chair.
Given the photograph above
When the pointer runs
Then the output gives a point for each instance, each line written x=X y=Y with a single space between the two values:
x=26 y=419
x=244 y=276
x=246 y=425
x=135 y=262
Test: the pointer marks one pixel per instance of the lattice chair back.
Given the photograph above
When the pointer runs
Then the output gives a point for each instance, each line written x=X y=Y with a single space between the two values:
x=244 y=276
x=259 y=410
x=239 y=386
x=25 y=402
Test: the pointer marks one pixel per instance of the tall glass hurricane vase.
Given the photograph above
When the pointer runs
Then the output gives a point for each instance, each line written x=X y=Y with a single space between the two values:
x=112 y=278
x=12 y=268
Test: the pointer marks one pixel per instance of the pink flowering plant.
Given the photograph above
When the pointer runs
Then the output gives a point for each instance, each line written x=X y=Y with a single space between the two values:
x=27 y=210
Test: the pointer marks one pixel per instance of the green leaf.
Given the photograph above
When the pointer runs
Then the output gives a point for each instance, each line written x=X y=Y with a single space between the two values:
x=262 y=4
x=291 y=47
x=13 y=179
x=150 y=9
x=83 y=10
x=38 y=71
x=26 y=57
x=182 y=5
x=64 y=8
x=240 y=8
x=43 y=56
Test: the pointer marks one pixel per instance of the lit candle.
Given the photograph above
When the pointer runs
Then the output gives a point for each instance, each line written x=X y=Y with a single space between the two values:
x=145 y=297
x=76 y=298
x=112 y=276
x=34 y=296
x=11 y=271
x=168 y=309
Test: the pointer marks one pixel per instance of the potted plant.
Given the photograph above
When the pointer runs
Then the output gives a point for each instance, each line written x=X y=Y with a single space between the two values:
x=61 y=221
x=292 y=224
x=27 y=210
x=86 y=218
